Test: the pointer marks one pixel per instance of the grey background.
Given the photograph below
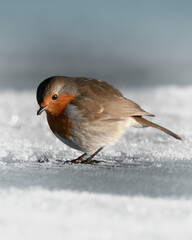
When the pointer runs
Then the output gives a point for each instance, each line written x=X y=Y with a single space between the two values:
x=126 y=42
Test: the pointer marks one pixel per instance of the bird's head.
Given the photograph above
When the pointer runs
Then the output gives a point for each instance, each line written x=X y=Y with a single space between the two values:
x=54 y=93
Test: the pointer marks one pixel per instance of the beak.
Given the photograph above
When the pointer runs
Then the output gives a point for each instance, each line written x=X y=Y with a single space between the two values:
x=41 y=109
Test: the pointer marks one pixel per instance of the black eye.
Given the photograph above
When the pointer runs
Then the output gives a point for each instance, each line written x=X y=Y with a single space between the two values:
x=55 y=96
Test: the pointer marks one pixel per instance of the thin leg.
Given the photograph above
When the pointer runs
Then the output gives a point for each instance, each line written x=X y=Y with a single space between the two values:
x=89 y=160
x=77 y=160
x=86 y=161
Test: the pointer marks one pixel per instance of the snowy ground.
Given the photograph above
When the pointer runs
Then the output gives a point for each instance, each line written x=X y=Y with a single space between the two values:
x=143 y=191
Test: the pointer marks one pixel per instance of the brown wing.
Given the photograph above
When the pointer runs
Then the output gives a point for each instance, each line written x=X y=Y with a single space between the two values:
x=99 y=100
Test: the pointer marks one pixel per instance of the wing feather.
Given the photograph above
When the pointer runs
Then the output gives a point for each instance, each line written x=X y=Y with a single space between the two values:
x=98 y=100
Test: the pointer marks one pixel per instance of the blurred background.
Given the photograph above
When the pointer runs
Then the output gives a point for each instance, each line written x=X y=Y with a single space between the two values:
x=125 y=42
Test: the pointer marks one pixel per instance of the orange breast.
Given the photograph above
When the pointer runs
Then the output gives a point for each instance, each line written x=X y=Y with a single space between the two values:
x=60 y=125
x=56 y=107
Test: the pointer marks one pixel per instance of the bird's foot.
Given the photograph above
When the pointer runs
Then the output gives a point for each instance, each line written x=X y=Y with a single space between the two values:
x=77 y=160
x=92 y=161
x=89 y=160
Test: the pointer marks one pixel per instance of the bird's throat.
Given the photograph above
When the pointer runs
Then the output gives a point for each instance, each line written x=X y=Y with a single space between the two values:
x=57 y=107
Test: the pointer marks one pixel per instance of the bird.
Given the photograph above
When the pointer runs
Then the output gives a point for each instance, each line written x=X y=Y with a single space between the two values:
x=89 y=114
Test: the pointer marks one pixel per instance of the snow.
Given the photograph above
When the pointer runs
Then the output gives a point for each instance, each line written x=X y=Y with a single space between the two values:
x=142 y=191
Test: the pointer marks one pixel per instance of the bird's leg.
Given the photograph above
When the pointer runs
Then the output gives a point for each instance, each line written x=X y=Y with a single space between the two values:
x=86 y=161
x=77 y=160
x=89 y=160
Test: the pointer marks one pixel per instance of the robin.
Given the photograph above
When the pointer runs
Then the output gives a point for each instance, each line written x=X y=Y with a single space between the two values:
x=89 y=114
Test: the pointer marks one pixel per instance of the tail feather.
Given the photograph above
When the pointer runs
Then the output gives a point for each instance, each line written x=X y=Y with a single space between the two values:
x=145 y=122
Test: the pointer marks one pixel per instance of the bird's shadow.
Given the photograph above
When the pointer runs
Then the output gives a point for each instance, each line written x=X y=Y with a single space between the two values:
x=111 y=162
